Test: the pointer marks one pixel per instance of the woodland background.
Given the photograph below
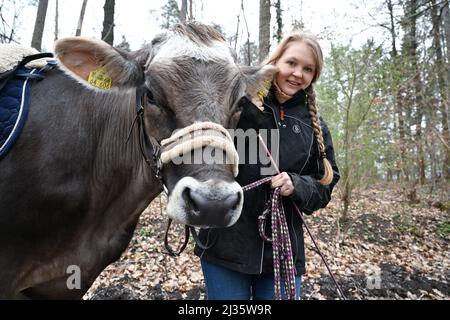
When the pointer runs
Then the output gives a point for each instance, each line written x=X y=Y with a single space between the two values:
x=385 y=99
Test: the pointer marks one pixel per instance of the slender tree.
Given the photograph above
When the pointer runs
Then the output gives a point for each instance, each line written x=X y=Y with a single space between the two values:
x=39 y=24
x=278 y=34
x=412 y=10
x=191 y=10
x=81 y=18
x=56 y=20
x=441 y=74
x=9 y=21
x=248 y=45
x=108 y=22
x=170 y=13
x=183 y=11
x=397 y=91
x=248 y=54
x=446 y=21
x=264 y=29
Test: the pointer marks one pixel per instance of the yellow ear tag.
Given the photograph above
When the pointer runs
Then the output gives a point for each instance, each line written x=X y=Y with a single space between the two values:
x=265 y=91
x=99 y=78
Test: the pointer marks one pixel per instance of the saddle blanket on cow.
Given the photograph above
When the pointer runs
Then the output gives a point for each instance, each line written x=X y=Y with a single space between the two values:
x=14 y=105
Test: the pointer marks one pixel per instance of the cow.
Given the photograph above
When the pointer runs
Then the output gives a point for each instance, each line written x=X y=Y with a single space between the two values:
x=77 y=179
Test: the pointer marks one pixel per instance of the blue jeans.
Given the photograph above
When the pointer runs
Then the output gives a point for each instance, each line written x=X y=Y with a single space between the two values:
x=225 y=284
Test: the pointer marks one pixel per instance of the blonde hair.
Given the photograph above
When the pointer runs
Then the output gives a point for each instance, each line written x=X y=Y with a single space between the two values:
x=311 y=41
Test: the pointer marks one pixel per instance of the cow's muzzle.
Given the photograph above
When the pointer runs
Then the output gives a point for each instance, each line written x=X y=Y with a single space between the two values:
x=212 y=203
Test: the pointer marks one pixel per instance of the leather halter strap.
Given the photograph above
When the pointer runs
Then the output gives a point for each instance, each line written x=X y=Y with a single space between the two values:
x=187 y=231
x=169 y=249
x=149 y=146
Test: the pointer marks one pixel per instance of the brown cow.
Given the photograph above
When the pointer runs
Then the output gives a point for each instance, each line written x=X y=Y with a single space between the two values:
x=72 y=188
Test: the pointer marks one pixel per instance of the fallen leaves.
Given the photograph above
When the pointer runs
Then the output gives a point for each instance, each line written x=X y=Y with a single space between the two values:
x=388 y=249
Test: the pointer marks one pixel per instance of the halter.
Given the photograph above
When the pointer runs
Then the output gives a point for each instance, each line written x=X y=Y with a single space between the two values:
x=197 y=136
x=149 y=146
x=186 y=140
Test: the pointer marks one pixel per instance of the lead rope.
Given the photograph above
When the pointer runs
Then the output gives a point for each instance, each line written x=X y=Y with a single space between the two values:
x=277 y=205
x=283 y=262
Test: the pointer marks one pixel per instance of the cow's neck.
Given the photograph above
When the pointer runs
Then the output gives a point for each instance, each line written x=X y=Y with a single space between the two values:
x=118 y=159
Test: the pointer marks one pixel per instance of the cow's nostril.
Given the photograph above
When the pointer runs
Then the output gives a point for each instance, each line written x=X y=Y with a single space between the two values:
x=207 y=208
x=233 y=201
x=190 y=202
x=197 y=202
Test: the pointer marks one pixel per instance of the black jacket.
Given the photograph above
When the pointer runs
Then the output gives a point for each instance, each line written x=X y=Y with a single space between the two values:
x=240 y=246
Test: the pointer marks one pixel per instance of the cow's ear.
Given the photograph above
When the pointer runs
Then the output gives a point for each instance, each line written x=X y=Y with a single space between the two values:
x=256 y=79
x=97 y=64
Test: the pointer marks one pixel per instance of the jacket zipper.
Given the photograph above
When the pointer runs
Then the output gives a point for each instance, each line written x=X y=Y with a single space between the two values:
x=263 y=242
x=282 y=115
x=281 y=123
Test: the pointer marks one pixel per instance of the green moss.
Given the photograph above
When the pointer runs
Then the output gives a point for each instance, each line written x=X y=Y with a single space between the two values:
x=443 y=229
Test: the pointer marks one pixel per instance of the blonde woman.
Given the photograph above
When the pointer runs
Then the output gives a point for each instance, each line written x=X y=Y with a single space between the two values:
x=238 y=262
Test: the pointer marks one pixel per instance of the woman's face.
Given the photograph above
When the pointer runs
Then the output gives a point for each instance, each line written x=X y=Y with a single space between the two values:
x=297 y=68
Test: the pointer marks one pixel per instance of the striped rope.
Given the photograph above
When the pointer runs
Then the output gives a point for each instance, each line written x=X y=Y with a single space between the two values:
x=283 y=264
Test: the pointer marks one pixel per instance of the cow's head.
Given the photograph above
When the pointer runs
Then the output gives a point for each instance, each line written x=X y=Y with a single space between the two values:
x=193 y=87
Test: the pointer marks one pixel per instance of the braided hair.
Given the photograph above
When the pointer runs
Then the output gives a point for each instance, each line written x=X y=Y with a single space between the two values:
x=311 y=41
x=311 y=98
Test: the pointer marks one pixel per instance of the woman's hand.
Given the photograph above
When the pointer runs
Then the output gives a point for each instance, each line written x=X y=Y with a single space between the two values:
x=284 y=181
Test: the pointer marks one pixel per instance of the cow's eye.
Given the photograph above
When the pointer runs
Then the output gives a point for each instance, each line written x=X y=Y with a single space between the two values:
x=150 y=98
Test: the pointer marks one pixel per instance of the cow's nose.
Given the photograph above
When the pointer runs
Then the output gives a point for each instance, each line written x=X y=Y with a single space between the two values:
x=214 y=212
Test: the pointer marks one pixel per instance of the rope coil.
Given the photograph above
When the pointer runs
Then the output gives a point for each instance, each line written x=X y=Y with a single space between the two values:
x=283 y=261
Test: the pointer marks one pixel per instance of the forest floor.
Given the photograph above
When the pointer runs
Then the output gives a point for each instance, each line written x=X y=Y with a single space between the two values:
x=388 y=248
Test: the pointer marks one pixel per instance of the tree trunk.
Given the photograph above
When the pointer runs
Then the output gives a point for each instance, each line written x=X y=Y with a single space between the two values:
x=191 y=10
x=412 y=44
x=108 y=22
x=394 y=51
x=446 y=18
x=346 y=196
x=419 y=96
x=279 y=12
x=346 y=172
x=80 y=20
x=398 y=104
x=442 y=73
x=183 y=11
x=402 y=166
x=264 y=29
x=36 y=42
x=56 y=20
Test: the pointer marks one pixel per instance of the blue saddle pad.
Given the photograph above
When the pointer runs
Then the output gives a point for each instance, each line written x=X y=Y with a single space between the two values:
x=14 y=105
